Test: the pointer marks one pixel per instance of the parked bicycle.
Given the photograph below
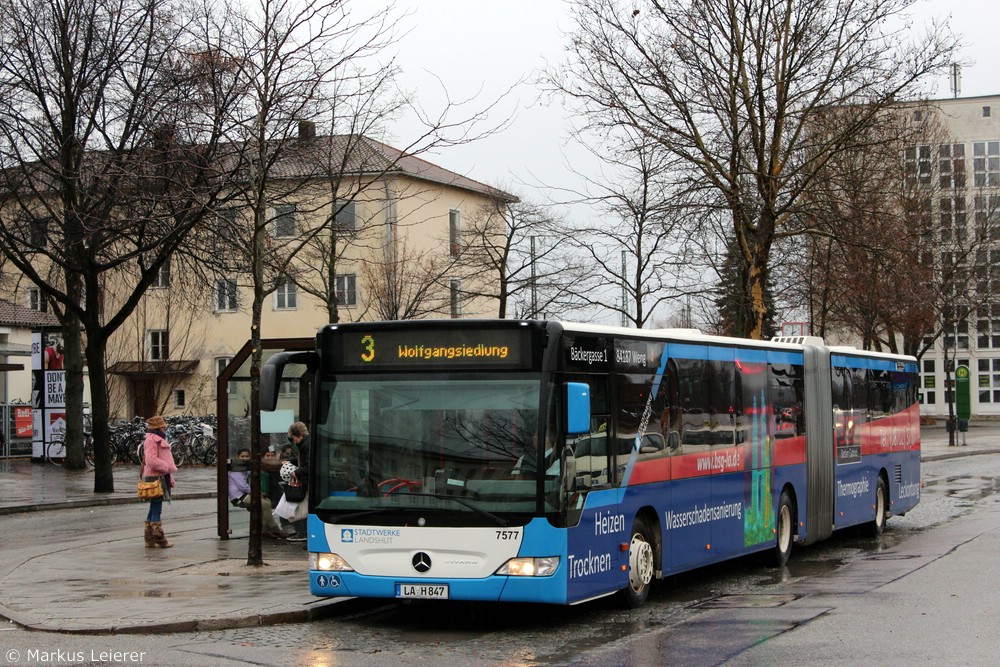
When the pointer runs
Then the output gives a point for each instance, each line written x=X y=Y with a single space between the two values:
x=192 y=440
x=55 y=452
x=126 y=440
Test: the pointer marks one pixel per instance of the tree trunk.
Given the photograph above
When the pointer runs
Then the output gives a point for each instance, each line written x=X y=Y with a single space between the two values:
x=73 y=367
x=255 y=555
x=104 y=481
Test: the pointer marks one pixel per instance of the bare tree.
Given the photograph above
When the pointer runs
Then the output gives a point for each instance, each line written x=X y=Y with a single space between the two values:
x=174 y=305
x=284 y=55
x=404 y=284
x=106 y=145
x=864 y=234
x=295 y=60
x=730 y=89
x=513 y=248
x=894 y=258
x=634 y=257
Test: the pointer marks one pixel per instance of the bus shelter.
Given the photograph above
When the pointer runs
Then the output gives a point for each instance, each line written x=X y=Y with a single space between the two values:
x=233 y=411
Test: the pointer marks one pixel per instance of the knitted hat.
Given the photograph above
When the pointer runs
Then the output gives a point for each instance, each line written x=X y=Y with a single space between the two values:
x=156 y=423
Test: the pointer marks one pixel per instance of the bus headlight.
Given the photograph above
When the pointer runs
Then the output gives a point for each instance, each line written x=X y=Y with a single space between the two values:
x=530 y=567
x=325 y=562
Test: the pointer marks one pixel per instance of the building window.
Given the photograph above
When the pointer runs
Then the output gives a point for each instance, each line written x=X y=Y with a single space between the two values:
x=347 y=289
x=988 y=327
x=284 y=221
x=36 y=301
x=288 y=388
x=918 y=115
x=38 y=232
x=986 y=112
x=225 y=226
x=456 y=297
x=454 y=233
x=987 y=216
x=951 y=165
x=284 y=294
x=953 y=227
x=345 y=219
x=928 y=382
x=224 y=295
x=159 y=345
x=220 y=365
x=917 y=164
x=959 y=339
x=162 y=278
x=986 y=163
x=989 y=380
x=179 y=398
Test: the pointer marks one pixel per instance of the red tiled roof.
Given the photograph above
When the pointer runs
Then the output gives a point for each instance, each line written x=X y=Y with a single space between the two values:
x=357 y=154
x=14 y=315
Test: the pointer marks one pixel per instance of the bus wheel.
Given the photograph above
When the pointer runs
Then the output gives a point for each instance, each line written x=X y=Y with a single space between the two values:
x=877 y=524
x=640 y=566
x=783 y=545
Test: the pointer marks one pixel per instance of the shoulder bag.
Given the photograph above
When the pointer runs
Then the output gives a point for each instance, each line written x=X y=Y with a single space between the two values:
x=150 y=490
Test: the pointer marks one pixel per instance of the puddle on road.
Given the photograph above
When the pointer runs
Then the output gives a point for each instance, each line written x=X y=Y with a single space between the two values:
x=799 y=569
x=134 y=593
x=745 y=601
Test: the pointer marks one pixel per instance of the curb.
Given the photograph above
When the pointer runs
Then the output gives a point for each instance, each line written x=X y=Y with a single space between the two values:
x=314 y=610
x=322 y=609
x=99 y=501
x=958 y=455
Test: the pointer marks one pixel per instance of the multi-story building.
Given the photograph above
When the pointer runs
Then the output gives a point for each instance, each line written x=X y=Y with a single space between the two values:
x=394 y=250
x=961 y=174
x=951 y=180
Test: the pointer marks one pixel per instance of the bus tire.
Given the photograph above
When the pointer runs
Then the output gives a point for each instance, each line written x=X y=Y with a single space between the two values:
x=640 y=565
x=875 y=527
x=784 y=529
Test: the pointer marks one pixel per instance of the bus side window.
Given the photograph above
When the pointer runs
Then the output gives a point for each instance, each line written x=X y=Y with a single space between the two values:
x=591 y=449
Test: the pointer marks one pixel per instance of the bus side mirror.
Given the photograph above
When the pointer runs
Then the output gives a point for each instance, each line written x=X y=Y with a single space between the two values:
x=577 y=408
x=270 y=375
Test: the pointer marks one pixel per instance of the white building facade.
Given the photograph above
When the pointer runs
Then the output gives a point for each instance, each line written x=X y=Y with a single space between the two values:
x=962 y=171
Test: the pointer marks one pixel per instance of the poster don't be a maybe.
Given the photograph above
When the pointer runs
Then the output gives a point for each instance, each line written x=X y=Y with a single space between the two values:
x=48 y=392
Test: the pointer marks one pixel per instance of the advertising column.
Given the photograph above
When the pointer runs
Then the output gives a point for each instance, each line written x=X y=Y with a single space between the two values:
x=48 y=389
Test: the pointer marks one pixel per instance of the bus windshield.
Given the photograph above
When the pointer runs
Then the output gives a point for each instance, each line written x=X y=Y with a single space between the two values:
x=462 y=451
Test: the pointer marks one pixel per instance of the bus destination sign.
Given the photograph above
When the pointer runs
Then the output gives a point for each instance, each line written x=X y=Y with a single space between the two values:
x=442 y=348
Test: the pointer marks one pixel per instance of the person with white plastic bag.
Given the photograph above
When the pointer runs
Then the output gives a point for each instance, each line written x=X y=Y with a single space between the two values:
x=293 y=506
x=298 y=480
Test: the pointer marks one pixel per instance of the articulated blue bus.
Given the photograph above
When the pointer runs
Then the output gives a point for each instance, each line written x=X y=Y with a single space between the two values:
x=541 y=461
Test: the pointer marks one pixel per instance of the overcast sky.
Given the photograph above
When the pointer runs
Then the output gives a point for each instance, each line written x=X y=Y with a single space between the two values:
x=485 y=46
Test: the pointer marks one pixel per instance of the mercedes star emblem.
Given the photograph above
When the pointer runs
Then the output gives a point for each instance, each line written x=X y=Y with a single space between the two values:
x=421 y=562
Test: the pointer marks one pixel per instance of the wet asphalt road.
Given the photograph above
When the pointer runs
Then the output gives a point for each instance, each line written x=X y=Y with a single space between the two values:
x=838 y=599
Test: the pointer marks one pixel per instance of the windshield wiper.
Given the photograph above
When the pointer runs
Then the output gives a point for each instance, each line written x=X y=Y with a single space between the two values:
x=355 y=515
x=500 y=521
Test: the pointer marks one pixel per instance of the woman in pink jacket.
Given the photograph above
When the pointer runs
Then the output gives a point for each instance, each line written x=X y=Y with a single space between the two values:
x=159 y=464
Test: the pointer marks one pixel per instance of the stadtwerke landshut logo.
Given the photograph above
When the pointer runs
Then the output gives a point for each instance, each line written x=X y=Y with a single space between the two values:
x=347 y=535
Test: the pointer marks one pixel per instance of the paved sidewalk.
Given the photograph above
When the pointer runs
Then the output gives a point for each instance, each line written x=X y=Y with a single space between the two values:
x=105 y=581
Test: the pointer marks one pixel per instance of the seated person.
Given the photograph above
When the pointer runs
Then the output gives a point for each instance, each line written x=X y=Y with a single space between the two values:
x=239 y=494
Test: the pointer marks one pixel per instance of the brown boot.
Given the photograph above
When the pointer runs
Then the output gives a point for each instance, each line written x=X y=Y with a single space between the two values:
x=159 y=539
x=148 y=536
